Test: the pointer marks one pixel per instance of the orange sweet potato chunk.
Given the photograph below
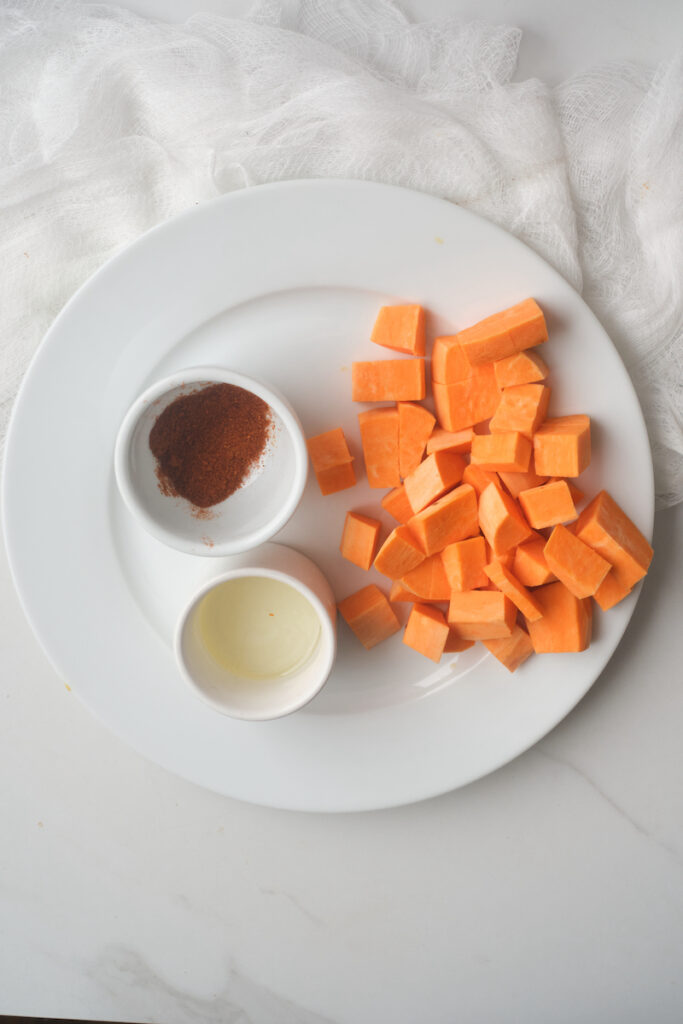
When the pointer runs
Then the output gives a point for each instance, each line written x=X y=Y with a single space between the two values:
x=520 y=368
x=501 y=520
x=359 y=539
x=509 y=585
x=512 y=330
x=426 y=631
x=449 y=362
x=575 y=564
x=611 y=591
x=396 y=503
x=388 y=380
x=455 y=644
x=428 y=580
x=451 y=518
x=548 y=504
x=604 y=525
x=368 y=613
x=481 y=614
x=331 y=460
x=479 y=478
x=379 y=438
x=401 y=328
x=509 y=452
x=415 y=424
x=432 y=478
x=529 y=564
x=515 y=483
x=399 y=554
x=562 y=446
x=511 y=651
x=400 y=594
x=442 y=440
x=466 y=402
x=336 y=478
x=566 y=622
x=521 y=408
x=464 y=563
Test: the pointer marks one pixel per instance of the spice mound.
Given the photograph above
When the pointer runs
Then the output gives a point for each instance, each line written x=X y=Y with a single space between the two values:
x=206 y=443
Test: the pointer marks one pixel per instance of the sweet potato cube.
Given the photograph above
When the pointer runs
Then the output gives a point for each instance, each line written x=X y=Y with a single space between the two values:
x=464 y=563
x=520 y=368
x=399 y=554
x=451 y=518
x=336 y=478
x=442 y=440
x=426 y=631
x=529 y=564
x=515 y=483
x=511 y=651
x=605 y=527
x=466 y=402
x=432 y=478
x=428 y=580
x=449 y=362
x=501 y=335
x=565 y=624
x=388 y=380
x=509 y=452
x=509 y=585
x=401 y=328
x=575 y=564
x=501 y=520
x=611 y=591
x=548 y=504
x=415 y=424
x=479 y=478
x=481 y=614
x=521 y=408
x=368 y=613
x=455 y=644
x=379 y=437
x=562 y=446
x=399 y=594
x=359 y=539
x=396 y=503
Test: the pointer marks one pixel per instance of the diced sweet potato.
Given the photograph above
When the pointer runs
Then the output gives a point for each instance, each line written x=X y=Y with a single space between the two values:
x=428 y=580
x=509 y=585
x=368 y=613
x=468 y=401
x=336 y=478
x=548 y=504
x=399 y=594
x=442 y=440
x=565 y=624
x=396 y=503
x=520 y=368
x=359 y=539
x=479 y=478
x=415 y=424
x=399 y=554
x=432 y=478
x=562 y=446
x=611 y=591
x=575 y=564
x=331 y=460
x=515 y=483
x=455 y=644
x=529 y=565
x=401 y=328
x=501 y=520
x=481 y=614
x=379 y=437
x=501 y=335
x=451 y=518
x=521 y=408
x=511 y=651
x=388 y=380
x=464 y=563
x=426 y=631
x=449 y=362
x=509 y=452
x=604 y=525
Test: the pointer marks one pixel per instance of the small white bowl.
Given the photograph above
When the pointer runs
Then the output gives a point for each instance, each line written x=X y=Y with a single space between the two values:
x=251 y=515
x=273 y=696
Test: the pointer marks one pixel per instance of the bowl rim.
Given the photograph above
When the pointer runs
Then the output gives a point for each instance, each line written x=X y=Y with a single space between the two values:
x=219 y=375
x=327 y=637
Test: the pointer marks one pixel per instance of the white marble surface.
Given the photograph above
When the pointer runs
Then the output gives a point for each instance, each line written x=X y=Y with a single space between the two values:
x=552 y=891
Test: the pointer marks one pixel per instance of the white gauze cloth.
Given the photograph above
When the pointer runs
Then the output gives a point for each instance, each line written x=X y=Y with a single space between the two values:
x=110 y=123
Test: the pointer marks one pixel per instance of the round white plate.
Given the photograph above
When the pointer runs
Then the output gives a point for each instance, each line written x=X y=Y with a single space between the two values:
x=283 y=282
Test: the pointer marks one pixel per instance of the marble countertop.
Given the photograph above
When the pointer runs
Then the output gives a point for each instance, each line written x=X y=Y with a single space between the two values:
x=550 y=891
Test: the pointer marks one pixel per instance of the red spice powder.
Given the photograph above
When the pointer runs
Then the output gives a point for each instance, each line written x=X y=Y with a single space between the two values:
x=207 y=442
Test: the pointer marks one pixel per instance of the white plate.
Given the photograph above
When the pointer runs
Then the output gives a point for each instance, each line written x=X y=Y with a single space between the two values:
x=284 y=282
